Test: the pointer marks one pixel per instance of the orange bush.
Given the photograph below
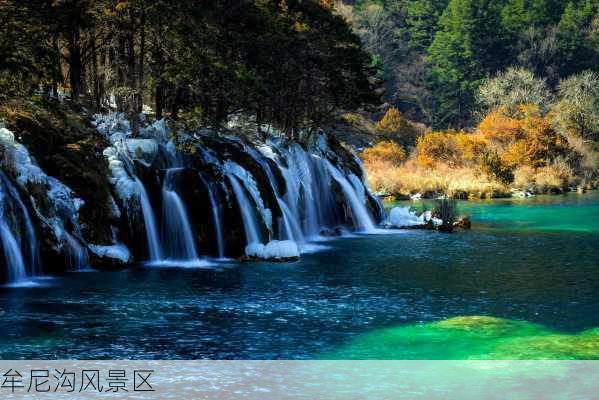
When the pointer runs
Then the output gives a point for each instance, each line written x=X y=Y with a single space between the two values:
x=526 y=136
x=395 y=126
x=391 y=122
x=499 y=127
x=385 y=151
x=449 y=147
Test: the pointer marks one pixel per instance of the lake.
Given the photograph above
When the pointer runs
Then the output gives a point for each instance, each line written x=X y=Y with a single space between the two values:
x=523 y=283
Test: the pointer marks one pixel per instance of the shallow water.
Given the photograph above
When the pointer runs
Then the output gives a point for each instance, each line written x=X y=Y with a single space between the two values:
x=531 y=262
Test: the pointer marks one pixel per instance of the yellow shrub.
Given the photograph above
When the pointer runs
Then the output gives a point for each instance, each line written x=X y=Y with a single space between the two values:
x=499 y=127
x=386 y=151
x=394 y=125
x=449 y=147
x=471 y=147
x=391 y=122
x=516 y=154
x=526 y=136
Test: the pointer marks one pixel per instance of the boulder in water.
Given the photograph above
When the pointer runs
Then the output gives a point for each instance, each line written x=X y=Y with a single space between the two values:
x=463 y=223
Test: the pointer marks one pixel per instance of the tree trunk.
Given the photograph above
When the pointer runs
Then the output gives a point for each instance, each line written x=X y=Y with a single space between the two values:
x=142 y=53
x=159 y=100
x=75 y=66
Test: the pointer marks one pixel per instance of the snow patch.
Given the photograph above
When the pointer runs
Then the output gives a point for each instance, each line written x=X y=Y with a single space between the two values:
x=116 y=251
x=274 y=250
x=400 y=217
x=64 y=205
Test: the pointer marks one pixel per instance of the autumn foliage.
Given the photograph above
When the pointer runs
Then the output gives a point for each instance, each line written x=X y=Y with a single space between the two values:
x=515 y=146
x=385 y=152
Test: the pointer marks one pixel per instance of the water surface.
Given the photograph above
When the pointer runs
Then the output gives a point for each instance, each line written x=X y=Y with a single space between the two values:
x=527 y=269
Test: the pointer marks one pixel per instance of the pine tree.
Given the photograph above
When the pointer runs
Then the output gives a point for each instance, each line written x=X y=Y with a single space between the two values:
x=467 y=46
x=421 y=20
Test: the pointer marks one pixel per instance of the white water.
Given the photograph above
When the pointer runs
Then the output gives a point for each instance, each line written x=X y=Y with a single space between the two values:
x=290 y=224
x=150 y=223
x=250 y=226
x=34 y=255
x=77 y=258
x=216 y=217
x=360 y=213
x=178 y=235
x=12 y=254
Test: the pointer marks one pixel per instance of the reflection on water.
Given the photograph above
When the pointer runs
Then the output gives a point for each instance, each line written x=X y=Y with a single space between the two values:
x=523 y=261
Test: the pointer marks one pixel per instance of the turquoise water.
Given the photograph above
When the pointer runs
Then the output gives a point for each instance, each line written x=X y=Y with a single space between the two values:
x=560 y=214
x=522 y=283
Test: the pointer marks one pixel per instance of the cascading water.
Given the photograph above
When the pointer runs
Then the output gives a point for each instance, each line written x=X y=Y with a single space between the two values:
x=31 y=242
x=309 y=206
x=178 y=236
x=150 y=223
x=77 y=258
x=216 y=218
x=12 y=254
x=250 y=225
x=362 y=218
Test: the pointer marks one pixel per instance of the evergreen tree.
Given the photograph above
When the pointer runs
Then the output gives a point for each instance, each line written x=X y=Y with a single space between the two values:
x=575 y=53
x=465 y=49
x=421 y=20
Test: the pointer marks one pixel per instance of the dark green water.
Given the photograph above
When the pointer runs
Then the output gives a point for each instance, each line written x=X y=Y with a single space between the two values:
x=523 y=283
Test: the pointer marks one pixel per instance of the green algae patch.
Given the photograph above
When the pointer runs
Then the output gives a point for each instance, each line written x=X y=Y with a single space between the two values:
x=471 y=337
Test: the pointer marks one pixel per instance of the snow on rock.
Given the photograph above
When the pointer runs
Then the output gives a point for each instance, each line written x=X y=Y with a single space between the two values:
x=107 y=124
x=280 y=250
x=158 y=130
x=125 y=186
x=255 y=250
x=60 y=204
x=267 y=151
x=145 y=150
x=117 y=251
x=401 y=217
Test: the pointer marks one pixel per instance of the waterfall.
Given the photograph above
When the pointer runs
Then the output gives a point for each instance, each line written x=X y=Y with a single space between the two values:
x=178 y=235
x=216 y=218
x=12 y=254
x=250 y=225
x=149 y=222
x=289 y=223
x=360 y=214
x=297 y=179
x=77 y=259
x=34 y=254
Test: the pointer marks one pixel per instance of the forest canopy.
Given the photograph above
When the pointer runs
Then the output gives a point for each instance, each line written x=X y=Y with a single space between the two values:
x=435 y=54
x=288 y=63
